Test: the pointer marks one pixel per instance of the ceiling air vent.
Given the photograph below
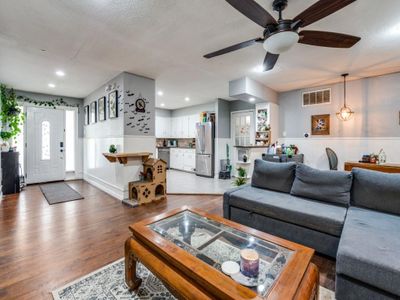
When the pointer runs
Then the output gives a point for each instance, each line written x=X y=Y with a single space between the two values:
x=317 y=97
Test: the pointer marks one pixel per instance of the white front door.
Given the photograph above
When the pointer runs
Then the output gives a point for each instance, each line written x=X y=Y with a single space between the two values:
x=45 y=145
x=242 y=128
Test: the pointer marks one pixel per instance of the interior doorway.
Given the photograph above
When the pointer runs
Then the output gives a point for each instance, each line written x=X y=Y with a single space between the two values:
x=45 y=145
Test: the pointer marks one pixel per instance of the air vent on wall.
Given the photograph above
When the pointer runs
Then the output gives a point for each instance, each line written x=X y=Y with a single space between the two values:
x=317 y=97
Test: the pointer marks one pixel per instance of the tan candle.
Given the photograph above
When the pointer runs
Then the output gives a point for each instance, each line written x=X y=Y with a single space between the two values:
x=249 y=262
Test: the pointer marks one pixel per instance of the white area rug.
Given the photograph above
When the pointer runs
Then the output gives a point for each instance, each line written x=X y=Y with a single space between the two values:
x=108 y=283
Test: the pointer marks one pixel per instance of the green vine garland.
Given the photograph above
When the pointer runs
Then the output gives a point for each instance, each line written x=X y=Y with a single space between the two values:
x=52 y=103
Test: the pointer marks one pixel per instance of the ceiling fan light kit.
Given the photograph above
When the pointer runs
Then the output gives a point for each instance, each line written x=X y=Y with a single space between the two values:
x=281 y=42
x=345 y=113
x=282 y=34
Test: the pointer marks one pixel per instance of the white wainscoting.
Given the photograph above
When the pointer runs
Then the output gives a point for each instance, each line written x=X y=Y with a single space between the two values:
x=113 y=178
x=346 y=148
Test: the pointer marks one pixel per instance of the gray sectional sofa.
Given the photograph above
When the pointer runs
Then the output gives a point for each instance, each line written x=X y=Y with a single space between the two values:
x=353 y=217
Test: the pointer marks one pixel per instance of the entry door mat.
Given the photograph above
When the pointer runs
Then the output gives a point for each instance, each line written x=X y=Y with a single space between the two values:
x=109 y=283
x=59 y=192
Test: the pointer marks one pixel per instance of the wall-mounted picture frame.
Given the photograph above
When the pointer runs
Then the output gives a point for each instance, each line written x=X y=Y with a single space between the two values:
x=101 y=108
x=86 y=112
x=320 y=124
x=93 y=112
x=113 y=105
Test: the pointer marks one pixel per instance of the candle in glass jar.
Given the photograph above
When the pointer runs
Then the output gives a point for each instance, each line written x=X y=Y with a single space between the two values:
x=249 y=262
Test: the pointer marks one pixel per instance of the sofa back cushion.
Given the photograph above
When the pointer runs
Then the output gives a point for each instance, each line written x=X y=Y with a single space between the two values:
x=273 y=176
x=327 y=186
x=376 y=190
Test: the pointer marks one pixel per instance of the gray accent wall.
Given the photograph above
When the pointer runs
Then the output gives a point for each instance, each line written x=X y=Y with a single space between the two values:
x=195 y=109
x=69 y=100
x=375 y=101
x=136 y=122
x=166 y=113
x=223 y=119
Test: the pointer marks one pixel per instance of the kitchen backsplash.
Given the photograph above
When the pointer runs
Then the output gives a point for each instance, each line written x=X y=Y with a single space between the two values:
x=181 y=143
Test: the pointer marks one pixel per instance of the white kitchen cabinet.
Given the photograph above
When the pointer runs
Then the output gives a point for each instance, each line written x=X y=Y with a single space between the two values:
x=163 y=127
x=189 y=160
x=175 y=127
x=183 y=159
x=192 y=120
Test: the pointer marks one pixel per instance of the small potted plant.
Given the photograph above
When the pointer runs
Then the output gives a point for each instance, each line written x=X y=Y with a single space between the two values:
x=112 y=149
x=241 y=179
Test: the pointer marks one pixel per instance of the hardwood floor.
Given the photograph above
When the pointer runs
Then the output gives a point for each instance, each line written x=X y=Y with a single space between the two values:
x=43 y=247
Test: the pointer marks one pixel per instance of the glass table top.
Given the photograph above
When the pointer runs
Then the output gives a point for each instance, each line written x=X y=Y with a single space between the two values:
x=215 y=243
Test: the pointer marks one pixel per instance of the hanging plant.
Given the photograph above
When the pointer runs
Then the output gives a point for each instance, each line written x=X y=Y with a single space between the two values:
x=11 y=116
x=52 y=103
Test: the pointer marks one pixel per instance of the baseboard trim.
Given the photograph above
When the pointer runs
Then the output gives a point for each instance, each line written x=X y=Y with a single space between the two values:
x=110 y=189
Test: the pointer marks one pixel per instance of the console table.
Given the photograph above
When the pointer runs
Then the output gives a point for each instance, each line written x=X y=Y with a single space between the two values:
x=387 y=168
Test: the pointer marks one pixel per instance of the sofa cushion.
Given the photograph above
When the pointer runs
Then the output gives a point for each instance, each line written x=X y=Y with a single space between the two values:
x=369 y=249
x=328 y=186
x=273 y=176
x=376 y=190
x=311 y=214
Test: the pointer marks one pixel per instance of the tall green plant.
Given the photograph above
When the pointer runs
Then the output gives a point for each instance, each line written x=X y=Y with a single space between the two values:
x=11 y=117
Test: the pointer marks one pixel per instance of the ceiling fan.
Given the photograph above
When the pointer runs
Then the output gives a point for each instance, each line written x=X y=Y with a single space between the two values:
x=279 y=36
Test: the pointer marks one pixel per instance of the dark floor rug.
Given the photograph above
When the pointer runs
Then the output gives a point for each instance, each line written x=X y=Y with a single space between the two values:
x=59 y=192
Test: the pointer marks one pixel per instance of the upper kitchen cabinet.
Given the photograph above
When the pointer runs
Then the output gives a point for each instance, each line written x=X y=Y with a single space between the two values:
x=163 y=127
x=177 y=127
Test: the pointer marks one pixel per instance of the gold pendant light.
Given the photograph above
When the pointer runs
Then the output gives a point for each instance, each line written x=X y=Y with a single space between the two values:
x=345 y=113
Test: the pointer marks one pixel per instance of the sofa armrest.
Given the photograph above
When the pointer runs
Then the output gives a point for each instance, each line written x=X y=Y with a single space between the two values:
x=227 y=196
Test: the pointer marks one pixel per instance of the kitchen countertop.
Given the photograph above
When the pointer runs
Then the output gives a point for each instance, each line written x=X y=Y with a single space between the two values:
x=254 y=146
x=167 y=147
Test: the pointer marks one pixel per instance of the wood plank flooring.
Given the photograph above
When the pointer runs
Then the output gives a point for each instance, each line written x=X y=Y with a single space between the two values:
x=43 y=247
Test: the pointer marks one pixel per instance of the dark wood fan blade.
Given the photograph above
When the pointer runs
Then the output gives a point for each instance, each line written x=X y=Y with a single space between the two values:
x=270 y=61
x=253 y=11
x=327 y=39
x=232 y=48
x=320 y=10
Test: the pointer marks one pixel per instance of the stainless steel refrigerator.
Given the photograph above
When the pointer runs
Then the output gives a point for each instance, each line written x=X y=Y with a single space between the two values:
x=205 y=149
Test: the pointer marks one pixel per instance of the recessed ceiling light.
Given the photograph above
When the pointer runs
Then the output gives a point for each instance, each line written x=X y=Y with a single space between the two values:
x=160 y=93
x=60 y=73
x=51 y=85
x=187 y=99
x=252 y=99
x=258 y=69
x=395 y=30
x=162 y=104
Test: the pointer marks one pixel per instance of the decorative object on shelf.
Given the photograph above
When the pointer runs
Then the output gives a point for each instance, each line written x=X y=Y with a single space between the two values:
x=244 y=158
x=11 y=116
x=86 y=112
x=113 y=104
x=381 y=157
x=249 y=262
x=345 y=113
x=373 y=158
x=320 y=124
x=93 y=112
x=101 y=107
x=153 y=185
x=112 y=149
x=241 y=179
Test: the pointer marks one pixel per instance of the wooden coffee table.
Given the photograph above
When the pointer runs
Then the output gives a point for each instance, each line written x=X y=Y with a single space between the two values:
x=185 y=248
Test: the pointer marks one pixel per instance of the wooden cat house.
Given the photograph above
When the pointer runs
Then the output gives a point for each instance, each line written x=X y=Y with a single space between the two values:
x=153 y=184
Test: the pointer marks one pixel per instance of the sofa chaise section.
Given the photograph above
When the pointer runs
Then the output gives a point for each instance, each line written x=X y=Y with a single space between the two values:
x=268 y=205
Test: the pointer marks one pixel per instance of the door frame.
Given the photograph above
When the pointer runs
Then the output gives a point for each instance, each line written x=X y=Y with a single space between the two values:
x=76 y=139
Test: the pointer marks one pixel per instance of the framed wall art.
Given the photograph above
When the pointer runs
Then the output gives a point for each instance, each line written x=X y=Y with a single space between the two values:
x=320 y=124
x=101 y=108
x=86 y=112
x=113 y=104
x=93 y=112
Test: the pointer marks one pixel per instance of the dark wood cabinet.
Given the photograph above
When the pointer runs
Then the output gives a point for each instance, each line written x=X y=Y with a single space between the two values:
x=10 y=172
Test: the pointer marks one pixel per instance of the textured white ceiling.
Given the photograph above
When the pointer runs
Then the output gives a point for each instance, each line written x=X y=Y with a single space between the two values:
x=94 y=40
